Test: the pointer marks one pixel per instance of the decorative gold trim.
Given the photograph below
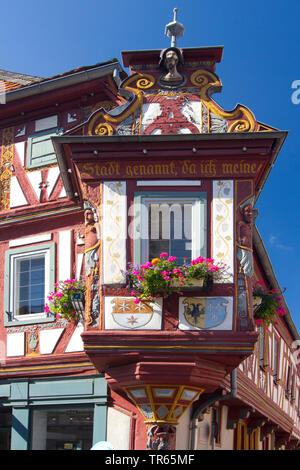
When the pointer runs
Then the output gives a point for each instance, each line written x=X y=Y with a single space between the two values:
x=33 y=368
x=7 y=155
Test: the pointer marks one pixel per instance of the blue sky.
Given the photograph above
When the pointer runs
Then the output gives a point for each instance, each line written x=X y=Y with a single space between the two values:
x=260 y=63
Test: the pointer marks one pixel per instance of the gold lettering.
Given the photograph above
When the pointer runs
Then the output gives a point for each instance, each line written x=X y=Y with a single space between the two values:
x=150 y=170
x=143 y=170
x=185 y=167
x=253 y=168
x=129 y=170
x=227 y=168
x=173 y=169
x=88 y=169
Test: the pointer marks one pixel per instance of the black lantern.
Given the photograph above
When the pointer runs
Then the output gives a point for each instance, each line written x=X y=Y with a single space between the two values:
x=77 y=300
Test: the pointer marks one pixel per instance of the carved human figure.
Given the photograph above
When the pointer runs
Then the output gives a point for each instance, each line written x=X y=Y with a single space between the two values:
x=245 y=252
x=161 y=437
x=92 y=241
x=170 y=59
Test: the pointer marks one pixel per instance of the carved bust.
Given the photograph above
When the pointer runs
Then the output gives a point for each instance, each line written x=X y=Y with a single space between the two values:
x=169 y=60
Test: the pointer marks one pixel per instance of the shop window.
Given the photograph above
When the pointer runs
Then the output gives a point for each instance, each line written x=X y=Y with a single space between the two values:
x=29 y=278
x=62 y=429
x=167 y=223
x=5 y=428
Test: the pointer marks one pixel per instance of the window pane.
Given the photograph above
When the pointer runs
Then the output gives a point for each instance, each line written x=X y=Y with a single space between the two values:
x=156 y=247
x=23 y=308
x=37 y=276
x=24 y=265
x=37 y=306
x=37 y=263
x=24 y=293
x=30 y=285
x=62 y=429
x=24 y=278
x=170 y=228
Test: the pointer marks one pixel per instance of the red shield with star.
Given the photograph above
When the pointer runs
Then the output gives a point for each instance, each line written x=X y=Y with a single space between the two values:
x=130 y=315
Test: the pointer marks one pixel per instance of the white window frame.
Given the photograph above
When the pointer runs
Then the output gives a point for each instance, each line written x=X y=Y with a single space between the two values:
x=10 y=298
x=199 y=221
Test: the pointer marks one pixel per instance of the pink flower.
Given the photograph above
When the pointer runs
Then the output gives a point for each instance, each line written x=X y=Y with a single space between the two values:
x=132 y=292
x=137 y=301
x=281 y=311
x=163 y=255
x=166 y=278
x=171 y=259
x=258 y=321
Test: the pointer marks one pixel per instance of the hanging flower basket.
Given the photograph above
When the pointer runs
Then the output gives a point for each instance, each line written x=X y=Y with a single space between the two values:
x=267 y=305
x=163 y=276
x=67 y=300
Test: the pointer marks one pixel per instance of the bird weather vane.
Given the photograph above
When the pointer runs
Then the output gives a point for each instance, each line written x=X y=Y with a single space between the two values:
x=174 y=29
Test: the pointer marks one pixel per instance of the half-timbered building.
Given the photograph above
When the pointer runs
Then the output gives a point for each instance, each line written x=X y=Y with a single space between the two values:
x=97 y=167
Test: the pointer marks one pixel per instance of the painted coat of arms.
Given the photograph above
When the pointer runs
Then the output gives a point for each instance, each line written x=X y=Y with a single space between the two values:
x=123 y=313
x=206 y=313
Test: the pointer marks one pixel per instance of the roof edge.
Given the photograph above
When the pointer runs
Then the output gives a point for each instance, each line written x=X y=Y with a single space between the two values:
x=62 y=81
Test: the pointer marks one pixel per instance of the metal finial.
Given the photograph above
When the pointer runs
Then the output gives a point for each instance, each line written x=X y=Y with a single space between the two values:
x=174 y=29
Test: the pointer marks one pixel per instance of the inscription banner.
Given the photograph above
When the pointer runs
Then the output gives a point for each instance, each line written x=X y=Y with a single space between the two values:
x=210 y=168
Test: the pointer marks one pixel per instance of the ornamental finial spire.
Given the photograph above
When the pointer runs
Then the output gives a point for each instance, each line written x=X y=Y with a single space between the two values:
x=174 y=29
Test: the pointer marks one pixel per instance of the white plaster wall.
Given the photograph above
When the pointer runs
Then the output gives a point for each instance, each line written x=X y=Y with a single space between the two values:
x=75 y=344
x=203 y=433
x=17 y=197
x=64 y=253
x=227 y=435
x=118 y=429
x=15 y=345
x=183 y=431
x=49 y=339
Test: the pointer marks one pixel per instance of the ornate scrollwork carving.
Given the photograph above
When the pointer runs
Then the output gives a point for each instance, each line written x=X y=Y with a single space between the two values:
x=240 y=126
x=145 y=82
x=103 y=129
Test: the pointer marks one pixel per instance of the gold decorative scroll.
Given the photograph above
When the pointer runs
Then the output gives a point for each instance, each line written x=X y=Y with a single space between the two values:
x=7 y=154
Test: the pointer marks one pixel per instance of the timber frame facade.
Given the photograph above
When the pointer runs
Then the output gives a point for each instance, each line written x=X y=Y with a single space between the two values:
x=100 y=140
